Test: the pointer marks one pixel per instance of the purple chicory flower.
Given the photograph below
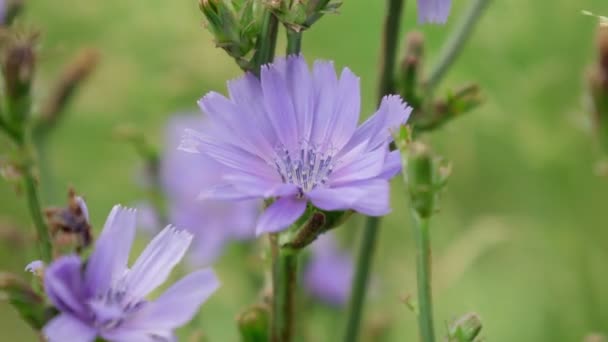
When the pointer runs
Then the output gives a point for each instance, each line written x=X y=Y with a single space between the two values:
x=104 y=298
x=292 y=136
x=183 y=175
x=329 y=272
x=433 y=11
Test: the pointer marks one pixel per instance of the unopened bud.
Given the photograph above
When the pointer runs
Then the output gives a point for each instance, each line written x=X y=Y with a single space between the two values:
x=465 y=329
x=411 y=66
x=302 y=14
x=253 y=323
x=19 y=66
x=72 y=77
x=234 y=25
x=426 y=175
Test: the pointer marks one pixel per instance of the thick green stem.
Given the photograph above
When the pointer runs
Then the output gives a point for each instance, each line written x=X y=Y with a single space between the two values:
x=294 y=42
x=267 y=41
x=386 y=86
x=423 y=273
x=366 y=252
x=285 y=272
x=455 y=43
x=33 y=201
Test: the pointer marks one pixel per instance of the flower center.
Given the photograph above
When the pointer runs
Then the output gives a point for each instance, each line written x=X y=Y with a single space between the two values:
x=307 y=167
x=110 y=309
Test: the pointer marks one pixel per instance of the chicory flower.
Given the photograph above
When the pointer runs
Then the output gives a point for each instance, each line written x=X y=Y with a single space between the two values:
x=105 y=298
x=292 y=137
x=434 y=11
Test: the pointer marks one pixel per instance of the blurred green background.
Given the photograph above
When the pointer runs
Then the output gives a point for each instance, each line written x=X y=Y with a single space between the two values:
x=522 y=237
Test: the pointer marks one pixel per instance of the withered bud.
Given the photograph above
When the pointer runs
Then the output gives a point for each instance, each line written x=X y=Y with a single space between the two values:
x=69 y=226
x=411 y=67
x=74 y=74
x=19 y=66
x=598 y=88
x=602 y=47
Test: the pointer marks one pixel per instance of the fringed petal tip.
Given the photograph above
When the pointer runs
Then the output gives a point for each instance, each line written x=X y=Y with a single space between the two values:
x=83 y=207
x=179 y=233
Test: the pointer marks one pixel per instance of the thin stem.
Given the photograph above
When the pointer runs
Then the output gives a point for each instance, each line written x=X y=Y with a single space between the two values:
x=33 y=201
x=284 y=287
x=455 y=43
x=370 y=233
x=267 y=41
x=390 y=38
x=423 y=275
x=294 y=42
x=364 y=261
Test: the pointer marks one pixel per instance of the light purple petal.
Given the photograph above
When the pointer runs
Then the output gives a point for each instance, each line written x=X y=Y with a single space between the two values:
x=225 y=153
x=157 y=260
x=345 y=116
x=376 y=201
x=124 y=334
x=367 y=165
x=178 y=304
x=227 y=114
x=377 y=129
x=280 y=215
x=226 y=192
x=325 y=84
x=299 y=83
x=392 y=165
x=279 y=106
x=66 y=327
x=63 y=284
x=367 y=197
x=111 y=253
x=247 y=93
x=433 y=11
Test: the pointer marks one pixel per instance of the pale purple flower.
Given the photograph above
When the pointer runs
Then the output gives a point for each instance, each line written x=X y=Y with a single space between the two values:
x=183 y=175
x=292 y=136
x=434 y=11
x=104 y=298
x=329 y=272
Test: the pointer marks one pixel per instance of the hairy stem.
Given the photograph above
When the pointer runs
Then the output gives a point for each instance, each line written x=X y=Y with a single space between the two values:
x=370 y=234
x=423 y=275
x=455 y=43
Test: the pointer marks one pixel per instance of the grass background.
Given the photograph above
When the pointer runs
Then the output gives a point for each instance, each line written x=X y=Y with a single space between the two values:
x=521 y=238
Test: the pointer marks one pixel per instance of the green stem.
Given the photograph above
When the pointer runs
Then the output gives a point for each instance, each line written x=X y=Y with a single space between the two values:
x=267 y=41
x=423 y=273
x=455 y=43
x=285 y=271
x=294 y=42
x=386 y=84
x=33 y=201
x=364 y=261
x=370 y=234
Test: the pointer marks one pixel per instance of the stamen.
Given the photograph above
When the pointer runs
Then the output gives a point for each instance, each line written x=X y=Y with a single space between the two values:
x=306 y=168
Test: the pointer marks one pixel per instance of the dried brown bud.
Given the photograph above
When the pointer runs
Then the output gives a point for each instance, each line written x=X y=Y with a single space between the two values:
x=18 y=66
x=75 y=73
x=69 y=226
